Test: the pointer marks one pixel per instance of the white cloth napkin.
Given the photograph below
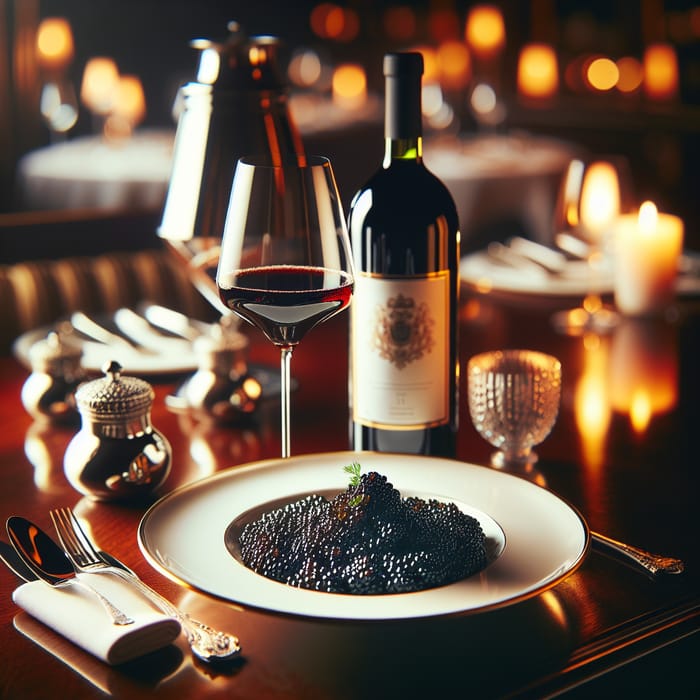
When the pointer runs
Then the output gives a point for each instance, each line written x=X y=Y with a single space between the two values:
x=76 y=613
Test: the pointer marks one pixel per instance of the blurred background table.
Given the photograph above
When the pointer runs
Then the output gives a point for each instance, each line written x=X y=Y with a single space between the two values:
x=503 y=184
x=92 y=172
x=623 y=452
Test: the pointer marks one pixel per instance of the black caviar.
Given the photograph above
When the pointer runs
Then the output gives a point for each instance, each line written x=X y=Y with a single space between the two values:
x=366 y=540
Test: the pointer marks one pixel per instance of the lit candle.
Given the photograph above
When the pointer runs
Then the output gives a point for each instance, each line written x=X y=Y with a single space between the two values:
x=600 y=200
x=128 y=108
x=54 y=43
x=647 y=248
x=349 y=86
x=485 y=31
x=538 y=73
x=100 y=84
x=660 y=72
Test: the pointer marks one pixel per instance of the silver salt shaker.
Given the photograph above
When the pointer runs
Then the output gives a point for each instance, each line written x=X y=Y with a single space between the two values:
x=48 y=393
x=117 y=454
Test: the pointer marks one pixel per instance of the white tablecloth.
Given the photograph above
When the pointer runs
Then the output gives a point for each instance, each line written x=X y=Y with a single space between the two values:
x=501 y=180
x=90 y=172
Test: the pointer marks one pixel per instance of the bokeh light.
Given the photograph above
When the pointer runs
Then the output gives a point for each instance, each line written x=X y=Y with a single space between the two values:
x=485 y=30
x=602 y=74
x=454 y=63
x=54 y=42
x=631 y=74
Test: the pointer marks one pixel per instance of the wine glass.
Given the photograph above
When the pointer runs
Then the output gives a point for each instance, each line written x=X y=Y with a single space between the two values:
x=59 y=107
x=285 y=263
x=591 y=197
x=514 y=400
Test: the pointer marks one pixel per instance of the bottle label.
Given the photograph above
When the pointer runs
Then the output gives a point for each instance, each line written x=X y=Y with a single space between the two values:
x=400 y=348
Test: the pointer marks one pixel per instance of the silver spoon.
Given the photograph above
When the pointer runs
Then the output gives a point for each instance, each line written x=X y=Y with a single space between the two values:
x=50 y=563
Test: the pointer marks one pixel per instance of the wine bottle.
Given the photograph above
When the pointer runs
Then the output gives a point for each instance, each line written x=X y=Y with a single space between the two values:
x=404 y=234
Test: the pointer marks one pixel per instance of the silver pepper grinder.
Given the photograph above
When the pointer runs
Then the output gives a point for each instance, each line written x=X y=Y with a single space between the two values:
x=117 y=455
x=48 y=393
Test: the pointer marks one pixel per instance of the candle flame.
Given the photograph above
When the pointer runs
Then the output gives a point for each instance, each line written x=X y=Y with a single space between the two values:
x=648 y=217
x=600 y=197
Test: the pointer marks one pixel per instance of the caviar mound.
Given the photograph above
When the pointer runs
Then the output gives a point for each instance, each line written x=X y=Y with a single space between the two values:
x=366 y=540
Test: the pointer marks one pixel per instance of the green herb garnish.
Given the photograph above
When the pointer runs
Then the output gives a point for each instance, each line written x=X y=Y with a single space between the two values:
x=354 y=470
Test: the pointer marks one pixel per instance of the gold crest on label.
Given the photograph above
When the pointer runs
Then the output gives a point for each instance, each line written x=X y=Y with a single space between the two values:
x=403 y=331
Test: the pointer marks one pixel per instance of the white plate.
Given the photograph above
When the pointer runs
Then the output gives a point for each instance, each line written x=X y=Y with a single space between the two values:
x=541 y=537
x=181 y=358
x=482 y=272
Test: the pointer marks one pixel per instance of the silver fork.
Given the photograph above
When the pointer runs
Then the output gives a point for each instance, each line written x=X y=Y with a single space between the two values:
x=206 y=643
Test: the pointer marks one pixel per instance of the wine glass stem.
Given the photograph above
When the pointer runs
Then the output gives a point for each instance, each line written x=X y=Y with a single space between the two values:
x=285 y=375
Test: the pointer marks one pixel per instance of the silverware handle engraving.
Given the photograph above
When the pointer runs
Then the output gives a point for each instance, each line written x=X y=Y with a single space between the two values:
x=653 y=564
x=118 y=617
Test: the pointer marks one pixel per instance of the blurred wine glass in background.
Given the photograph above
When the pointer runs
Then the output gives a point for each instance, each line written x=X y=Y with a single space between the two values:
x=54 y=51
x=592 y=195
x=485 y=35
x=59 y=108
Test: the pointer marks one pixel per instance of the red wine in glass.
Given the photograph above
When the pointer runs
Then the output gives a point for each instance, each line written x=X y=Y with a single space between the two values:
x=285 y=263
x=286 y=301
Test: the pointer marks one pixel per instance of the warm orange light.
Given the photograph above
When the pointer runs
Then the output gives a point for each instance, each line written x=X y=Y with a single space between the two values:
x=130 y=102
x=128 y=108
x=538 y=74
x=631 y=74
x=602 y=74
x=99 y=86
x=349 y=85
x=319 y=18
x=647 y=248
x=640 y=411
x=351 y=25
x=485 y=31
x=592 y=406
x=600 y=199
x=644 y=370
x=454 y=64
x=648 y=218
x=660 y=72
x=54 y=43
x=330 y=21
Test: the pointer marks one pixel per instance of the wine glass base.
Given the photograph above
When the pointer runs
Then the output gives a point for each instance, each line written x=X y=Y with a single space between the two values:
x=580 y=321
x=524 y=467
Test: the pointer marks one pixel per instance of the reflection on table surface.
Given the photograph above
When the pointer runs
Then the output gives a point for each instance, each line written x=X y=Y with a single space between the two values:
x=622 y=452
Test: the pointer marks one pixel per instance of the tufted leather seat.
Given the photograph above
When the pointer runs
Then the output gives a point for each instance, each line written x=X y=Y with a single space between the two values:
x=52 y=267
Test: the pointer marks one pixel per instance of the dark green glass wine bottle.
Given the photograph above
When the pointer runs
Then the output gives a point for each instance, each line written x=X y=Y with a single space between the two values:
x=404 y=233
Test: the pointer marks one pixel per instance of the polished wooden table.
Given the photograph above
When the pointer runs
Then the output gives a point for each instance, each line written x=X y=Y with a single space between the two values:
x=624 y=452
